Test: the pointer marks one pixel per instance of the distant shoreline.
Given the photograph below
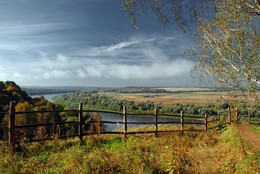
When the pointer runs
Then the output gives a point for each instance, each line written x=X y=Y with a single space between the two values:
x=57 y=90
x=50 y=96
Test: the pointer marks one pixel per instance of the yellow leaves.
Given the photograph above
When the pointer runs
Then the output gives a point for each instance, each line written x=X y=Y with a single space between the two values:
x=23 y=106
x=24 y=118
x=10 y=88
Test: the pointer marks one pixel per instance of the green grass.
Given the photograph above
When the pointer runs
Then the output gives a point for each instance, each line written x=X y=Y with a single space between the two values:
x=191 y=152
x=255 y=127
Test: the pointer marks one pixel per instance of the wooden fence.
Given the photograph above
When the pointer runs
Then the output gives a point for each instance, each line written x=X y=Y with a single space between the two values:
x=204 y=123
x=247 y=115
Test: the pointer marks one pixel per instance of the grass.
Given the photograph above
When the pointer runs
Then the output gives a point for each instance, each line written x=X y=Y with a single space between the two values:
x=184 y=96
x=180 y=95
x=173 y=98
x=190 y=152
x=255 y=128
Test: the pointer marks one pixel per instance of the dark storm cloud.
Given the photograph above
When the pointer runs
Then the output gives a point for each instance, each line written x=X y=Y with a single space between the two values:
x=84 y=40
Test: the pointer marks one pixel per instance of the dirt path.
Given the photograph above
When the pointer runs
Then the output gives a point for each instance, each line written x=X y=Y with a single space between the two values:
x=249 y=135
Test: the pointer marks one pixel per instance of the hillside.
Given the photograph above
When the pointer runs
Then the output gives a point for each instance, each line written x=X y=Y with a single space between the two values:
x=233 y=149
x=10 y=91
x=168 y=153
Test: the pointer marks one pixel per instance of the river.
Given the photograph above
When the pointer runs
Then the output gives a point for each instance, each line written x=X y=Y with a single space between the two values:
x=49 y=96
x=131 y=118
x=119 y=118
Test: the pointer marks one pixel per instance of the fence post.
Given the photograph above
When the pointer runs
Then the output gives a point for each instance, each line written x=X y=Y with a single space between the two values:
x=218 y=120
x=229 y=116
x=80 y=132
x=125 y=121
x=206 y=122
x=12 y=125
x=249 y=115
x=182 y=122
x=55 y=126
x=236 y=114
x=156 y=121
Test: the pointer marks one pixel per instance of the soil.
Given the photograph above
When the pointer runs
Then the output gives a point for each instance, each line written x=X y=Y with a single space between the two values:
x=249 y=135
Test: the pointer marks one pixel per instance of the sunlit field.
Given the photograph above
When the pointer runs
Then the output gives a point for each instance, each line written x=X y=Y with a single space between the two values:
x=185 y=96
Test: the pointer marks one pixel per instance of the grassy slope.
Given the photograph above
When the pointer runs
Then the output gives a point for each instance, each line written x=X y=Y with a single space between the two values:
x=169 y=153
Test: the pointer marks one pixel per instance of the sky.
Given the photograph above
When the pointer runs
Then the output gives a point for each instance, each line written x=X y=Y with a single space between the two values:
x=89 y=43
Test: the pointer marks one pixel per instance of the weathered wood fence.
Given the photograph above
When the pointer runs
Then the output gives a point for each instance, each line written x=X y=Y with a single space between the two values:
x=247 y=115
x=203 y=123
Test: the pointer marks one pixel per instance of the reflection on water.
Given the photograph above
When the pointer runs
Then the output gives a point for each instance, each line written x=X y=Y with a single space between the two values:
x=119 y=118
x=134 y=118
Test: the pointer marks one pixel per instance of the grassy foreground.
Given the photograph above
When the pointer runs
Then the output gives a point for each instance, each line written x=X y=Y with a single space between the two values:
x=213 y=152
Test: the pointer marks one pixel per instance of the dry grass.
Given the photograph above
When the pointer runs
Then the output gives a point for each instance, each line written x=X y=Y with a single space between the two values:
x=169 y=153
x=182 y=95
x=186 y=89
x=171 y=99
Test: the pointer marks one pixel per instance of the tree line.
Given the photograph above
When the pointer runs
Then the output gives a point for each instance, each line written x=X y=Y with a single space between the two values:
x=98 y=101
x=131 y=90
x=10 y=91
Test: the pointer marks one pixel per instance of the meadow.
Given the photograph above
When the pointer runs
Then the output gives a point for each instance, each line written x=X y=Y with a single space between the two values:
x=212 y=152
x=183 y=96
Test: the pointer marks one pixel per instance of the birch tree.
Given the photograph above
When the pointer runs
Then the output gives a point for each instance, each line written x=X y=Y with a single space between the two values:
x=228 y=49
x=228 y=36
x=184 y=13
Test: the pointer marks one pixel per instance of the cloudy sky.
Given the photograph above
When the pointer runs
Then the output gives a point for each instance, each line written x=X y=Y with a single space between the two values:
x=88 y=43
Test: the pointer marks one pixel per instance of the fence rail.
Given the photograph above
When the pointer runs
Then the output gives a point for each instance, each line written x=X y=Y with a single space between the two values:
x=249 y=116
x=205 y=123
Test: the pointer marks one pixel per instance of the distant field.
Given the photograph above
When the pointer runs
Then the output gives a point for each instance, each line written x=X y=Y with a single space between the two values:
x=171 y=96
x=182 y=95
x=180 y=89
x=170 y=99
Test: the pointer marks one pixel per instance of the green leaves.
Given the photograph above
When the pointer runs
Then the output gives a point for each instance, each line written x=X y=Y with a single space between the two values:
x=230 y=41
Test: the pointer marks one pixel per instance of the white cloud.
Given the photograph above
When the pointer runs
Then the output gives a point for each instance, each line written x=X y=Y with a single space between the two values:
x=138 y=58
x=28 y=29
x=64 y=67
x=62 y=58
x=157 y=70
x=120 y=45
x=3 y=76
x=170 y=38
x=135 y=43
x=138 y=50
x=60 y=61
x=18 y=75
x=57 y=74
x=42 y=53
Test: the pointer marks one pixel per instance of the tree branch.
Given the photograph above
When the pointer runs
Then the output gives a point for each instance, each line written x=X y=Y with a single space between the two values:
x=218 y=50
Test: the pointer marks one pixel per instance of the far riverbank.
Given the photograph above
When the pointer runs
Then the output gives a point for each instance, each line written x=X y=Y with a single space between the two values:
x=49 y=97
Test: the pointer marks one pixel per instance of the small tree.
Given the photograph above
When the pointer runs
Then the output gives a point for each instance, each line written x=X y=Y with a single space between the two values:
x=23 y=119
